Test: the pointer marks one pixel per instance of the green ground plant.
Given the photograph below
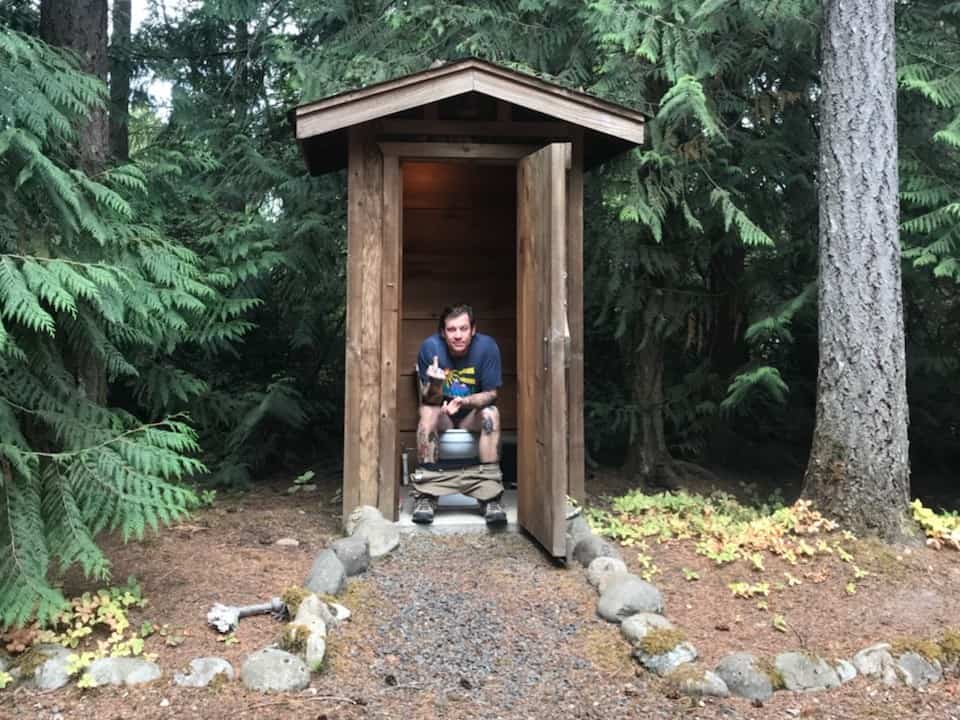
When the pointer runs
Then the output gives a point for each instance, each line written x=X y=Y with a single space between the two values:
x=723 y=529
x=729 y=532
x=942 y=529
x=95 y=625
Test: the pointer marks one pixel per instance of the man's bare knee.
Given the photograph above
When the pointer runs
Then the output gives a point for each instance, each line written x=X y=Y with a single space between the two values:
x=430 y=418
x=489 y=420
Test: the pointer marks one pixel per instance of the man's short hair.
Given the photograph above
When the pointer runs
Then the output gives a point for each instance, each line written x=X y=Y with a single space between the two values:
x=452 y=311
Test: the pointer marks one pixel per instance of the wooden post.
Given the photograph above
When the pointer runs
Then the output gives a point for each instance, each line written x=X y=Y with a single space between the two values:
x=361 y=447
x=390 y=334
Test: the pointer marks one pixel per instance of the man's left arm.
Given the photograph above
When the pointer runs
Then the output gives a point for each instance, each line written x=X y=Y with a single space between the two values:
x=480 y=400
x=490 y=379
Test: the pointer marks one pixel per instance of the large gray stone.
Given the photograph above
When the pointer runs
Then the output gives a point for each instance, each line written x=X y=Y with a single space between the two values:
x=695 y=682
x=846 y=670
x=803 y=672
x=743 y=677
x=638 y=626
x=273 y=670
x=627 y=596
x=202 y=672
x=52 y=673
x=917 y=671
x=364 y=513
x=877 y=662
x=327 y=576
x=665 y=663
x=610 y=579
x=123 y=671
x=577 y=529
x=592 y=547
x=310 y=615
x=382 y=536
x=603 y=567
x=354 y=553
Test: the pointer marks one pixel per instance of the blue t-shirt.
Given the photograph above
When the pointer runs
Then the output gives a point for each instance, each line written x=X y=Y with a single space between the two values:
x=477 y=371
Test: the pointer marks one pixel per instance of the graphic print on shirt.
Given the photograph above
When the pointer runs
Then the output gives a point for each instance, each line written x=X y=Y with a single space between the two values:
x=460 y=383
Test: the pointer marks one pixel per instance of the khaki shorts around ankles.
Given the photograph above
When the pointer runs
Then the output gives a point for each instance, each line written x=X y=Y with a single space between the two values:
x=482 y=482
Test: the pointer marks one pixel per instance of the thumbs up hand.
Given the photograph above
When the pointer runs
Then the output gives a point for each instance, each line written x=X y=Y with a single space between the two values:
x=434 y=372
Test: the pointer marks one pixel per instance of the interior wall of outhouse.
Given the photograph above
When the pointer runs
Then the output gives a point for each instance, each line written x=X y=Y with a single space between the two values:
x=459 y=245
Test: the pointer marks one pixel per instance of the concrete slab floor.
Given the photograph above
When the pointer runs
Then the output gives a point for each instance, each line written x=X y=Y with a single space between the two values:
x=456 y=514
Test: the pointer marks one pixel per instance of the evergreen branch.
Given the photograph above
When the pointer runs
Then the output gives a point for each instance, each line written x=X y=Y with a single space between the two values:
x=66 y=454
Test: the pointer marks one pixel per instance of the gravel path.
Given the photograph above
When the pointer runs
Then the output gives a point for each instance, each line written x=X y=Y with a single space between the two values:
x=468 y=622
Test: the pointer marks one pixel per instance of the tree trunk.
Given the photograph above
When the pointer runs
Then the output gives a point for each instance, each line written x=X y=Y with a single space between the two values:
x=859 y=469
x=81 y=25
x=648 y=458
x=120 y=81
x=728 y=351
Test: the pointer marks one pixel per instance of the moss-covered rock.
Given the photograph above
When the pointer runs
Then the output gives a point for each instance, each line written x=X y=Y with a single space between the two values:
x=294 y=638
x=292 y=597
x=928 y=649
x=661 y=640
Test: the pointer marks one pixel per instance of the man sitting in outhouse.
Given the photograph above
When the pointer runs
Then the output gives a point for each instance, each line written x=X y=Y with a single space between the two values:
x=459 y=373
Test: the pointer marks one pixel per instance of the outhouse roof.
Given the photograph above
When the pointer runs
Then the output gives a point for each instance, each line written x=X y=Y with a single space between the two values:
x=321 y=125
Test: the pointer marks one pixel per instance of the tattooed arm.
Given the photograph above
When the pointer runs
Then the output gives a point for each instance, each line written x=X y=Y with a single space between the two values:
x=476 y=401
x=431 y=391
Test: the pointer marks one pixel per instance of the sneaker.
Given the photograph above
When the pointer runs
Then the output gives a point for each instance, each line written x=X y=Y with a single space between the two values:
x=493 y=513
x=423 y=510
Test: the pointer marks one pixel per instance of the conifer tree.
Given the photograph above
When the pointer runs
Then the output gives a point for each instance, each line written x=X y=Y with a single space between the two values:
x=83 y=273
x=859 y=465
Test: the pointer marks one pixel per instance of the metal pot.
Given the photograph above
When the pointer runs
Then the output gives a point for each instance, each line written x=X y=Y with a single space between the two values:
x=458 y=444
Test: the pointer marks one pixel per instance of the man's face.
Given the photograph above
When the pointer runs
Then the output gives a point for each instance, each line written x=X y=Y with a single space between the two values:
x=458 y=333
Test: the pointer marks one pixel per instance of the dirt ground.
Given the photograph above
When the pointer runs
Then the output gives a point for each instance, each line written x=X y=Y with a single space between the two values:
x=488 y=626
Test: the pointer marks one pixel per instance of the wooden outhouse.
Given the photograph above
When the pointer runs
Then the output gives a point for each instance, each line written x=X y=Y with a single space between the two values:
x=465 y=184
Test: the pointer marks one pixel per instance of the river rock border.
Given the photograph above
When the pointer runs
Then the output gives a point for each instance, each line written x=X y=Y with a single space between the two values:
x=285 y=665
x=661 y=648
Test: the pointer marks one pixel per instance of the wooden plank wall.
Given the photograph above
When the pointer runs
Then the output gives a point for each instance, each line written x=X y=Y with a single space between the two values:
x=459 y=245
x=361 y=453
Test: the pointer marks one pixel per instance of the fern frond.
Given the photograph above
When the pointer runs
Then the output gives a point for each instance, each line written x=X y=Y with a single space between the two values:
x=762 y=381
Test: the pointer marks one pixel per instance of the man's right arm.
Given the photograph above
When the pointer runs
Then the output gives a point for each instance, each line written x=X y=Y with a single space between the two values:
x=431 y=378
x=431 y=392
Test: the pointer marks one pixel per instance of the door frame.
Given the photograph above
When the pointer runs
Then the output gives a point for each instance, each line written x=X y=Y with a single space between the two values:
x=393 y=154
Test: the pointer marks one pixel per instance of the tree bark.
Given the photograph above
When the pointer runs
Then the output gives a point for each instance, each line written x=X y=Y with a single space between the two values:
x=81 y=25
x=859 y=468
x=649 y=448
x=648 y=458
x=727 y=348
x=120 y=81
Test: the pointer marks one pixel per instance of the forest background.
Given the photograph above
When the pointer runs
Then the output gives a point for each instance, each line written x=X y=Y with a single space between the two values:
x=172 y=299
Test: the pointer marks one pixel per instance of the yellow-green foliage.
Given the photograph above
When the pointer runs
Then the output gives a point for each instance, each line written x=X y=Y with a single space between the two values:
x=5 y=679
x=294 y=638
x=746 y=590
x=292 y=597
x=927 y=648
x=950 y=645
x=661 y=640
x=942 y=529
x=724 y=529
x=102 y=617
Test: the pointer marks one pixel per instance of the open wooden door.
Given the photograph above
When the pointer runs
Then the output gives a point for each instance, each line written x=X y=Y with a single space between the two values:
x=543 y=344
